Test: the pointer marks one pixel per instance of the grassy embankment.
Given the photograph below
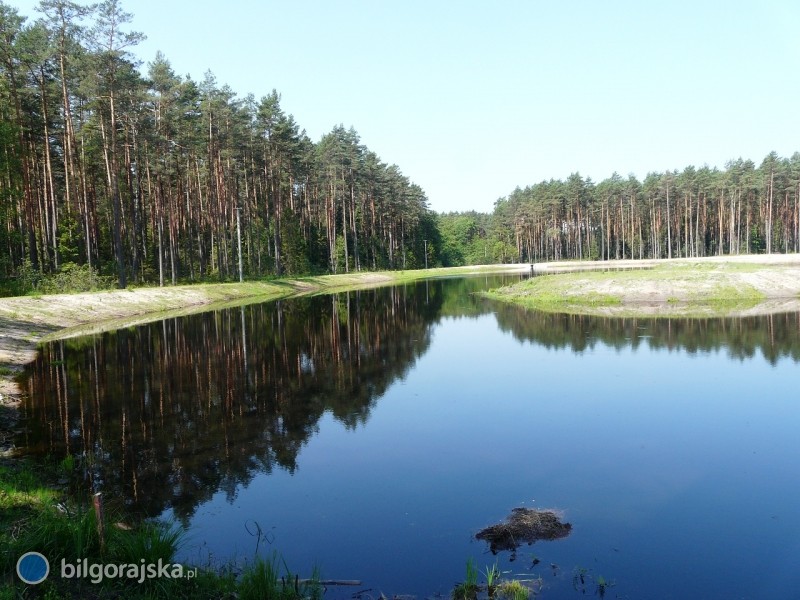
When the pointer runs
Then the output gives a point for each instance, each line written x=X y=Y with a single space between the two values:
x=678 y=288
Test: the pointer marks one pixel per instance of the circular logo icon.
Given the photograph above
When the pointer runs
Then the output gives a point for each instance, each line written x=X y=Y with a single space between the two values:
x=33 y=568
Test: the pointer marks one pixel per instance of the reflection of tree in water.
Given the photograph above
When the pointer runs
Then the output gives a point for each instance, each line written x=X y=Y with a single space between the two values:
x=775 y=336
x=170 y=413
x=460 y=299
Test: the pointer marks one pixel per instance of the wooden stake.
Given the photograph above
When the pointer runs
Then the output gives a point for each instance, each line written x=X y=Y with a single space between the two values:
x=97 y=501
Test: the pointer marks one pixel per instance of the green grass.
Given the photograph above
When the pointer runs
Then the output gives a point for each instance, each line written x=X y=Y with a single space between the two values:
x=34 y=518
x=22 y=497
x=543 y=297
x=468 y=589
x=735 y=294
x=492 y=574
x=263 y=581
x=513 y=590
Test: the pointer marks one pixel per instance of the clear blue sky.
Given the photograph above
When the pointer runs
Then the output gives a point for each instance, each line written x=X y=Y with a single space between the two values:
x=471 y=99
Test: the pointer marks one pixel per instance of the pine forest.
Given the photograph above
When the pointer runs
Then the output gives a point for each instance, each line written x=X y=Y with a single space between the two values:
x=143 y=176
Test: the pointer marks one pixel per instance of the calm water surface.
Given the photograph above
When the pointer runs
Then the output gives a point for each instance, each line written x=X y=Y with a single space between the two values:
x=374 y=433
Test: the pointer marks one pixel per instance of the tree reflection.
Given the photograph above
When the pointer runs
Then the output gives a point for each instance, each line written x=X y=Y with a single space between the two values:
x=774 y=336
x=166 y=415
x=169 y=413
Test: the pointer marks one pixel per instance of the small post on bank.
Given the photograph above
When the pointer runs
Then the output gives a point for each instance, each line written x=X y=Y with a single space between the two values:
x=97 y=501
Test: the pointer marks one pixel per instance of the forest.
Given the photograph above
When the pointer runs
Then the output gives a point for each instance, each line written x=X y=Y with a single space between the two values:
x=142 y=176
x=743 y=209
x=152 y=177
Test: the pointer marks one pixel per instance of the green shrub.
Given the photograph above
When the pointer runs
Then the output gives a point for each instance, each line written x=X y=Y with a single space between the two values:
x=73 y=278
x=70 y=279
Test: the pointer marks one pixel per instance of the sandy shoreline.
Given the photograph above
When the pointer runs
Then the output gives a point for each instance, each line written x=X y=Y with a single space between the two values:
x=752 y=259
x=695 y=287
x=27 y=321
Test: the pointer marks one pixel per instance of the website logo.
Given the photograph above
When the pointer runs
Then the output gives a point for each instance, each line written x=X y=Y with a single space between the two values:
x=33 y=568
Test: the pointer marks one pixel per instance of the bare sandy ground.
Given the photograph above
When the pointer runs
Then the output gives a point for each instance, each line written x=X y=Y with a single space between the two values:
x=25 y=321
x=774 y=278
x=748 y=259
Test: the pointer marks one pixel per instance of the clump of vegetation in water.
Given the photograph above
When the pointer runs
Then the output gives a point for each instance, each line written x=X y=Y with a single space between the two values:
x=514 y=590
x=468 y=590
x=602 y=585
x=583 y=580
x=263 y=580
x=492 y=573
x=524 y=526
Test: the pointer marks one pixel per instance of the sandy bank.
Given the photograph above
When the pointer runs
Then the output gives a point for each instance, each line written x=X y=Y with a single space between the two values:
x=702 y=287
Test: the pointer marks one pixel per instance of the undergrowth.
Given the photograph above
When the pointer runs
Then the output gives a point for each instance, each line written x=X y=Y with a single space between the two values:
x=34 y=516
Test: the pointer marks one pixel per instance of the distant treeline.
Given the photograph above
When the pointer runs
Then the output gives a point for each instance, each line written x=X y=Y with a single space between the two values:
x=697 y=212
x=144 y=176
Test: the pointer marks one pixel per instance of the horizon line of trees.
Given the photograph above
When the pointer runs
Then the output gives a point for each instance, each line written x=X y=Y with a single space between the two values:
x=743 y=209
x=153 y=177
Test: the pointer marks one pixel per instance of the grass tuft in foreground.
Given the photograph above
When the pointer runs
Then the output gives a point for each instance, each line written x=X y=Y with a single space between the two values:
x=513 y=590
x=468 y=589
x=34 y=517
x=495 y=588
x=263 y=580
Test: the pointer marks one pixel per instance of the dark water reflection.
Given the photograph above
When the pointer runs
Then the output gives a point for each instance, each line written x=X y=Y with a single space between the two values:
x=219 y=411
x=170 y=412
x=772 y=336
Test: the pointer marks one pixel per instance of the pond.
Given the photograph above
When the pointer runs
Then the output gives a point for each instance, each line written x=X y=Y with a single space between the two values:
x=372 y=434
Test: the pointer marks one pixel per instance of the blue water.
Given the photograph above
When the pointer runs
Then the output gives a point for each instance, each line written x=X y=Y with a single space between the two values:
x=678 y=473
x=672 y=447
